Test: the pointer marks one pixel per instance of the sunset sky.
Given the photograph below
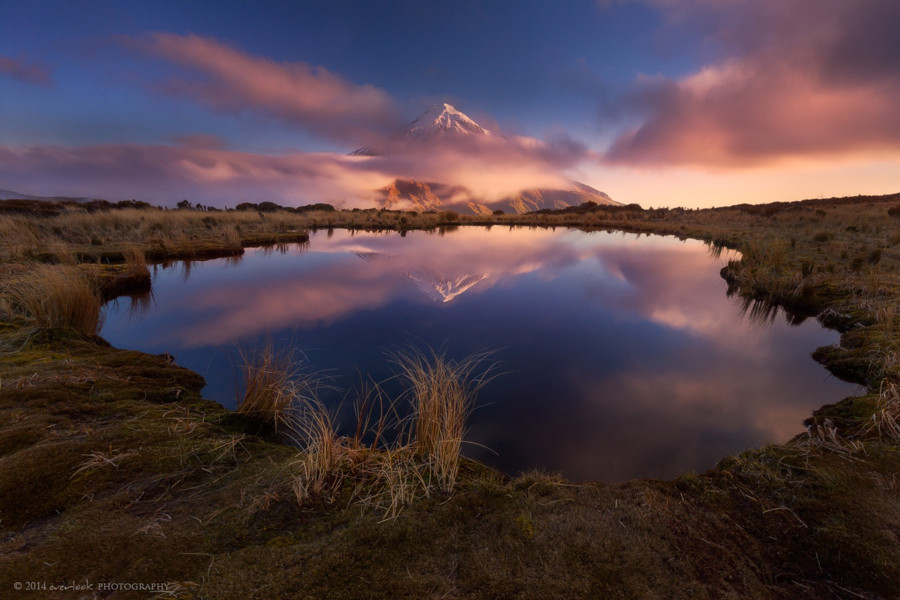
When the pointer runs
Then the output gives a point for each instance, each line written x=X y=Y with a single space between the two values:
x=659 y=102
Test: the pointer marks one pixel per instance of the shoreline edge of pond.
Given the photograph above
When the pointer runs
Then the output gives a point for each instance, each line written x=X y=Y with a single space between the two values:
x=115 y=468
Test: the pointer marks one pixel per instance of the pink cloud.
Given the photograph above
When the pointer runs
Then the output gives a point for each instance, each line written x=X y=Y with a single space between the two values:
x=201 y=140
x=325 y=103
x=202 y=169
x=299 y=93
x=200 y=172
x=799 y=78
x=488 y=167
x=22 y=71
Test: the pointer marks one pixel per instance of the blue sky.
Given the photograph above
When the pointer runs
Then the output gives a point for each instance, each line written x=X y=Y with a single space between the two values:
x=710 y=97
x=531 y=66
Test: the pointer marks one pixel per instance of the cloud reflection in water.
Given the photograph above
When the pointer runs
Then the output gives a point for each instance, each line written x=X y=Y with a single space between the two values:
x=625 y=357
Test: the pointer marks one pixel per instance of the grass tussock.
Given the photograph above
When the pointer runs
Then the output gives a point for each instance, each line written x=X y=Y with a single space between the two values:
x=386 y=473
x=398 y=477
x=135 y=261
x=271 y=381
x=278 y=391
x=823 y=435
x=312 y=426
x=441 y=392
x=53 y=297
x=886 y=418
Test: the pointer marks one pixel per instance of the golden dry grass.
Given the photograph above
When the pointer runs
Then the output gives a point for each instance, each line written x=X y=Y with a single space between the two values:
x=200 y=501
x=277 y=391
x=885 y=420
x=116 y=234
x=423 y=458
x=313 y=428
x=135 y=261
x=441 y=392
x=398 y=477
x=53 y=297
x=269 y=384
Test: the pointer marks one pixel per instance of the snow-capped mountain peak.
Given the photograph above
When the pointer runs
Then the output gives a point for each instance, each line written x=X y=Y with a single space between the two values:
x=444 y=125
x=443 y=289
x=442 y=120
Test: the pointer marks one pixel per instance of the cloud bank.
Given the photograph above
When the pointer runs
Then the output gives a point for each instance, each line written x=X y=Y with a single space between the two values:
x=24 y=72
x=309 y=96
x=201 y=168
x=799 y=79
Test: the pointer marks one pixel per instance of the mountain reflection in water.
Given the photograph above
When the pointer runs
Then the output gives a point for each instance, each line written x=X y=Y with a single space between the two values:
x=623 y=355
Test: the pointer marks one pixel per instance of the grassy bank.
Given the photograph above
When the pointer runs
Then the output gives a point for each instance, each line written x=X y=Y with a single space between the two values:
x=112 y=236
x=114 y=469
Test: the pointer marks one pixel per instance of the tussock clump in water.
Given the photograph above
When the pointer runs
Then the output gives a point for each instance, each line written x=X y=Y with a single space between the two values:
x=441 y=392
x=271 y=380
x=423 y=458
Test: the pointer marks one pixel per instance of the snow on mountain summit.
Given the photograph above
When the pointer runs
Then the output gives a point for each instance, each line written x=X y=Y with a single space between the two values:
x=443 y=120
x=440 y=121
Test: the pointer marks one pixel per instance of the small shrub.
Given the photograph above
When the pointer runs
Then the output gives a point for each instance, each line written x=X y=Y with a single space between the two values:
x=448 y=216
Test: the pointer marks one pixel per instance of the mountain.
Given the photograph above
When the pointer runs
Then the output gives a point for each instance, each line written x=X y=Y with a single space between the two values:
x=443 y=289
x=536 y=199
x=438 y=288
x=446 y=122
x=442 y=121
x=11 y=195
x=405 y=194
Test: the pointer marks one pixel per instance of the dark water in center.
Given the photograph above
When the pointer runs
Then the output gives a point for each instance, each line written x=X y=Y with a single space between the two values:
x=621 y=356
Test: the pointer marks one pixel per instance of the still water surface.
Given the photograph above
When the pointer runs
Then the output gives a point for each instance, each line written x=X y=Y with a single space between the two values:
x=622 y=356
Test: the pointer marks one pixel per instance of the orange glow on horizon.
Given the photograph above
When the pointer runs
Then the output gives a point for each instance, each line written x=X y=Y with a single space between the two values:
x=698 y=188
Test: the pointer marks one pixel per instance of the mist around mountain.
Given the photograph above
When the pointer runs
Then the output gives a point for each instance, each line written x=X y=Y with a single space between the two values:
x=445 y=125
x=441 y=161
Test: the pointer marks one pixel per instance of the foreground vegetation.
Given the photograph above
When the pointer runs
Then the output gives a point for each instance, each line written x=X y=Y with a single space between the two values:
x=114 y=469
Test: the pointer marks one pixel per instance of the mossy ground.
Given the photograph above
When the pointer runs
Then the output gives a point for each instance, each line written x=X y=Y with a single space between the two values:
x=113 y=468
